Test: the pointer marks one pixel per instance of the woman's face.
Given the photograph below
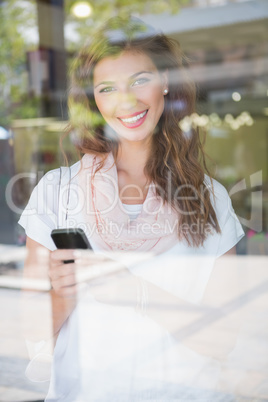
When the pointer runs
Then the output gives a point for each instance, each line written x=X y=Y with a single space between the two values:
x=128 y=91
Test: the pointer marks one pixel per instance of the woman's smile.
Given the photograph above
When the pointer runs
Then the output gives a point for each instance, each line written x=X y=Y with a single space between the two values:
x=128 y=91
x=134 y=120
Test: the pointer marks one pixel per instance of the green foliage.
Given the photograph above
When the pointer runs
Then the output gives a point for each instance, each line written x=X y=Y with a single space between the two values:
x=82 y=116
x=15 y=17
x=27 y=108
x=19 y=16
x=104 y=9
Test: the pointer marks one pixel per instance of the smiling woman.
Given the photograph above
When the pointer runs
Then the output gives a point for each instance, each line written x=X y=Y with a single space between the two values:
x=140 y=187
x=134 y=96
x=129 y=75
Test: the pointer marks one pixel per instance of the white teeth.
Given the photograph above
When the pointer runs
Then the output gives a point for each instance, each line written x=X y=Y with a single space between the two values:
x=135 y=118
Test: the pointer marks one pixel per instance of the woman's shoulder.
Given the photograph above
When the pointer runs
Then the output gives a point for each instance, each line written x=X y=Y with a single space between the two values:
x=62 y=173
x=219 y=196
x=215 y=187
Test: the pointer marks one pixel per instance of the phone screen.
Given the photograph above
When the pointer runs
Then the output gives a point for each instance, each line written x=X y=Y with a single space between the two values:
x=70 y=239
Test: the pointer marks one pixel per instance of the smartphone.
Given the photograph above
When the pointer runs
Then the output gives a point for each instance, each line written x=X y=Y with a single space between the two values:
x=70 y=238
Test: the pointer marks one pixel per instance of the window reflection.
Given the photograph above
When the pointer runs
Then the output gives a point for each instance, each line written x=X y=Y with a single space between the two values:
x=226 y=47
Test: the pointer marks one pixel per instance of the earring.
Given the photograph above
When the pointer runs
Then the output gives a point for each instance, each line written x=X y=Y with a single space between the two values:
x=165 y=91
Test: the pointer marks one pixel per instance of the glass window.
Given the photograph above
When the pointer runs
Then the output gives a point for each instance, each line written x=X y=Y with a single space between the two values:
x=213 y=319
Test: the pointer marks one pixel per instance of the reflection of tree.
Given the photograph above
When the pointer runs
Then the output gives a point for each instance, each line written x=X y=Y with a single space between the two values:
x=103 y=10
x=15 y=17
x=18 y=26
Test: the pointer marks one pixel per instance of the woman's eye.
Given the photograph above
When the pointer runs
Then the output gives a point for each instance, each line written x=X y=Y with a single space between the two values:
x=140 y=81
x=107 y=89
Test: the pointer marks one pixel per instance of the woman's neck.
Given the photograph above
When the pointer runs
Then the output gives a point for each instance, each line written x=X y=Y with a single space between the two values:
x=132 y=181
x=132 y=157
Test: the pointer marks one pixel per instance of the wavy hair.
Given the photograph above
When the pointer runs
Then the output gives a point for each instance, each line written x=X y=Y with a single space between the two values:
x=176 y=164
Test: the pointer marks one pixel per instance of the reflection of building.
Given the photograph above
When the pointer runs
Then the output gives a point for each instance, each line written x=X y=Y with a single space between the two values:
x=38 y=71
x=24 y=159
x=47 y=65
x=46 y=78
x=37 y=146
x=227 y=48
x=7 y=217
x=226 y=43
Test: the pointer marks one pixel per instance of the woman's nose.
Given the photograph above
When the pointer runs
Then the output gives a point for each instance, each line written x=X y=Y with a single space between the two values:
x=127 y=99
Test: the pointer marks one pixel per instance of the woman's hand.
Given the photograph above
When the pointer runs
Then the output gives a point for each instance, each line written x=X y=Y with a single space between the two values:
x=62 y=276
x=106 y=279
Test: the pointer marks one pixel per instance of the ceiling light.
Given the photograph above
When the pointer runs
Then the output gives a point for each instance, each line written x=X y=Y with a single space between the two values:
x=81 y=9
x=236 y=96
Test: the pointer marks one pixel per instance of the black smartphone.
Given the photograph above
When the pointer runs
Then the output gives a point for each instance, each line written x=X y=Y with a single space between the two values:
x=70 y=238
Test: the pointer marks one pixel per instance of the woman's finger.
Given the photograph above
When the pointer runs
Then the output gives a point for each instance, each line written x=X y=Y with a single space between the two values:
x=58 y=271
x=68 y=291
x=72 y=290
x=60 y=255
x=68 y=280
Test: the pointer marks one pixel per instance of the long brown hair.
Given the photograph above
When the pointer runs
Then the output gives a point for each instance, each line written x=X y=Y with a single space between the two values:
x=176 y=164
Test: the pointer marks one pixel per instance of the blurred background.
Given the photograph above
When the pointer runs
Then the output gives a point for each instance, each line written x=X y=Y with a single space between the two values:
x=226 y=43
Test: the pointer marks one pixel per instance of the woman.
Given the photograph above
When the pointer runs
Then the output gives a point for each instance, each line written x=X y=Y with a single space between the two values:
x=140 y=187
